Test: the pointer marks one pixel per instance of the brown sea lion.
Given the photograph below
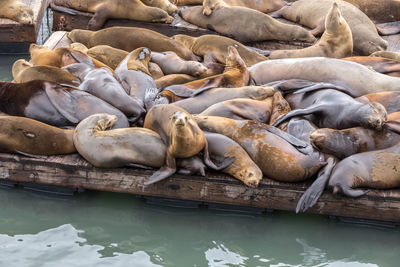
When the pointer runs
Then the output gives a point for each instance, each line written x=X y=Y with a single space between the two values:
x=214 y=48
x=183 y=138
x=266 y=6
x=27 y=136
x=390 y=100
x=243 y=168
x=23 y=71
x=334 y=109
x=382 y=65
x=120 y=9
x=126 y=38
x=280 y=107
x=53 y=104
x=60 y=57
x=162 y=4
x=379 y=11
x=172 y=79
x=108 y=55
x=235 y=74
x=312 y=13
x=387 y=54
x=330 y=70
x=246 y=25
x=336 y=42
x=277 y=154
x=16 y=10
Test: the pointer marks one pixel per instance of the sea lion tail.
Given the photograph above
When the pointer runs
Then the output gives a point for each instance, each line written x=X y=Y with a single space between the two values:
x=312 y=194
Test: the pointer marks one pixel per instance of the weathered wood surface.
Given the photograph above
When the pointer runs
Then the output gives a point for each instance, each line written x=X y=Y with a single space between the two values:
x=72 y=171
x=14 y=32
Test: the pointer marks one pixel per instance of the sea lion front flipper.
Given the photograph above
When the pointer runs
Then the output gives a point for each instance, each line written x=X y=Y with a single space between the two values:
x=298 y=86
x=165 y=171
x=98 y=19
x=312 y=194
x=300 y=145
x=224 y=164
x=297 y=112
x=389 y=28
x=81 y=57
x=63 y=9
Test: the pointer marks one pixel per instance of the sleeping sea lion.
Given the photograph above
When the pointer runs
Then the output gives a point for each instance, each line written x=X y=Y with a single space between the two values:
x=16 y=10
x=27 y=136
x=53 y=104
x=214 y=48
x=267 y=6
x=312 y=13
x=165 y=5
x=108 y=55
x=125 y=38
x=336 y=42
x=390 y=100
x=23 y=71
x=183 y=138
x=116 y=9
x=246 y=25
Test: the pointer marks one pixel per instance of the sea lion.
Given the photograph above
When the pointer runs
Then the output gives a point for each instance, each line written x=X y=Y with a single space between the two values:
x=312 y=13
x=246 y=25
x=336 y=42
x=331 y=70
x=60 y=57
x=162 y=4
x=187 y=2
x=133 y=73
x=108 y=55
x=387 y=54
x=120 y=9
x=330 y=108
x=125 y=38
x=379 y=11
x=390 y=100
x=27 y=136
x=243 y=168
x=155 y=71
x=172 y=79
x=17 y=11
x=79 y=47
x=214 y=48
x=119 y=147
x=171 y=63
x=235 y=74
x=275 y=152
x=267 y=6
x=183 y=137
x=102 y=84
x=23 y=71
x=53 y=104
x=379 y=64
x=280 y=107
x=199 y=103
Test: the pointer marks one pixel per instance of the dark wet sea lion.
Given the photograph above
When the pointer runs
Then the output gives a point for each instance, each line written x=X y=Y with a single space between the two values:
x=312 y=13
x=53 y=104
x=336 y=41
x=390 y=100
x=328 y=70
x=243 y=168
x=266 y=6
x=116 y=9
x=183 y=137
x=19 y=134
x=214 y=48
x=334 y=109
x=382 y=65
x=126 y=38
x=246 y=25
x=16 y=10
x=23 y=71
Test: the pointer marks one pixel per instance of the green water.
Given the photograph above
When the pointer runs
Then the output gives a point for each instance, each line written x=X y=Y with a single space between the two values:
x=108 y=229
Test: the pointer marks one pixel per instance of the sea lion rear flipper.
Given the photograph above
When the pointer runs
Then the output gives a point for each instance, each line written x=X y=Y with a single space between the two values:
x=81 y=57
x=300 y=145
x=297 y=112
x=388 y=28
x=225 y=163
x=347 y=191
x=62 y=101
x=312 y=194
x=180 y=90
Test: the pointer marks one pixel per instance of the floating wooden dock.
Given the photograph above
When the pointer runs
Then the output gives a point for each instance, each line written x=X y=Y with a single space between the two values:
x=14 y=35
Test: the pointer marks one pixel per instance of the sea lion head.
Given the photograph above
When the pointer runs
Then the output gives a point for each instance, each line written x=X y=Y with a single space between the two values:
x=139 y=60
x=209 y=6
x=233 y=59
x=24 y=15
x=160 y=15
x=339 y=143
x=374 y=115
x=19 y=66
x=179 y=119
x=334 y=19
x=103 y=121
x=81 y=36
x=378 y=44
x=199 y=69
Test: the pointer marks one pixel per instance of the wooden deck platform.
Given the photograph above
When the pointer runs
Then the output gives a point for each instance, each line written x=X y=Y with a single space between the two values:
x=14 y=32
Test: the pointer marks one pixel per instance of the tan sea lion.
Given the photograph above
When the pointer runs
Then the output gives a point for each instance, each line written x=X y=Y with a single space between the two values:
x=16 y=10
x=125 y=38
x=108 y=55
x=390 y=100
x=182 y=135
x=214 y=48
x=79 y=47
x=27 y=136
x=328 y=70
x=120 y=9
x=379 y=64
x=23 y=71
x=336 y=42
x=266 y=6
x=162 y=4
x=312 y=13
x=246 y=25
x=172 y=79
x=277 y=154
x=155 y=71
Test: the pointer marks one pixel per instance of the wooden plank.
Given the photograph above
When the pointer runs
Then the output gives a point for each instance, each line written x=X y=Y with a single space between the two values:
x=72 y=171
